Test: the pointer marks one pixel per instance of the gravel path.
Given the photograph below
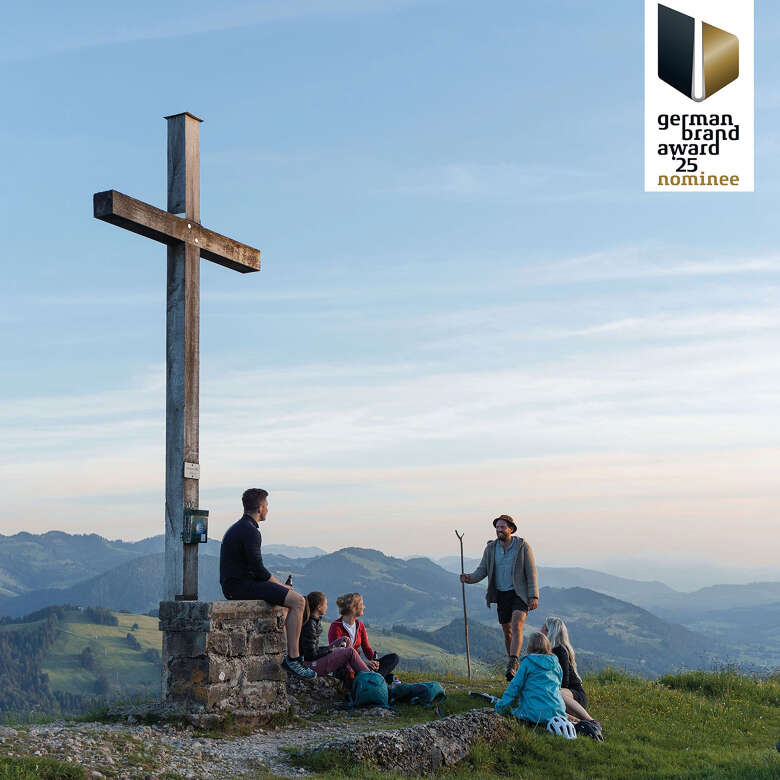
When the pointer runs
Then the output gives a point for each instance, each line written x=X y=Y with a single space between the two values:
x=124 y=750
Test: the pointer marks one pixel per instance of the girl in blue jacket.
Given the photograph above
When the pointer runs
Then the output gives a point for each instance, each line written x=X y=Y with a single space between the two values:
x=534 y=695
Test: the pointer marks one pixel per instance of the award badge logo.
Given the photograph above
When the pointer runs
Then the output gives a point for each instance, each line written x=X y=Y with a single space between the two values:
x=699 y=96
x=695 y=57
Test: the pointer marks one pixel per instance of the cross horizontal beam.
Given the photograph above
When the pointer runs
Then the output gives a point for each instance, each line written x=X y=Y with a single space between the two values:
x=139 y=217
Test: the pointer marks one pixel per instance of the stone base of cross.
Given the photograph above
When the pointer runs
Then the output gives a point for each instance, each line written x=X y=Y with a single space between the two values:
x=187 y=241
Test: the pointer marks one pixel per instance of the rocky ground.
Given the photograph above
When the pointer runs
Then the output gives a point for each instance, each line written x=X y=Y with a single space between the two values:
x=207 y=745
x=131 y=750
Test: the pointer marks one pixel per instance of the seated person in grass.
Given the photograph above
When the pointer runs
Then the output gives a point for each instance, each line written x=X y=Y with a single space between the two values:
x=534 y=695
x=324 y=659
x=351 y=607
x=571 y=685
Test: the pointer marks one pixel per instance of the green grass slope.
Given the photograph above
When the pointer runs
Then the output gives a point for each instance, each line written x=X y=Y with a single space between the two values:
x=129 y=673
x=486 y=643
x=699 y=725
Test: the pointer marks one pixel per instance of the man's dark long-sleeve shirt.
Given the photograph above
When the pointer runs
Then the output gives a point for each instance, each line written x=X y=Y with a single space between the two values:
x=240 y=558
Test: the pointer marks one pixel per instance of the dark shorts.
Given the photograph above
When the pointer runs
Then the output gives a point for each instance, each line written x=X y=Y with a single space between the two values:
x=508 y=602
x=240 y=590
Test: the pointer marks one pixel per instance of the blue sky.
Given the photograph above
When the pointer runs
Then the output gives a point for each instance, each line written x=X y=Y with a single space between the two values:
x=467 y=305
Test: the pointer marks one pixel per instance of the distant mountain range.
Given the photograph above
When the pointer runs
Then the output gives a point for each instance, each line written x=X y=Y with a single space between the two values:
x=394 y=590
x=291 y=551
x=650 y=594
x=614 y=619
x=604 y=630
x=57 y=560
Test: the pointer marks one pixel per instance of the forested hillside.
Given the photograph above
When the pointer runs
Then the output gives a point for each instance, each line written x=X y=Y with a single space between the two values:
x=24 y=644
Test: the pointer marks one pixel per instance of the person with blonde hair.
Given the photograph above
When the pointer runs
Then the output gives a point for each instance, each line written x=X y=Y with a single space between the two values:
x=326 y=659
x=571 y=683
x=351 y=607
x=534 y=694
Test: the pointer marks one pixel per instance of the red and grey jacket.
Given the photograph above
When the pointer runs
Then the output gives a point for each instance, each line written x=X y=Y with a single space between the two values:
x=337 y=630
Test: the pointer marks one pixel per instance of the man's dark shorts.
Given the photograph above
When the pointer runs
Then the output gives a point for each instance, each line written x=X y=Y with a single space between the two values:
x=272 y=592
x=508 y=602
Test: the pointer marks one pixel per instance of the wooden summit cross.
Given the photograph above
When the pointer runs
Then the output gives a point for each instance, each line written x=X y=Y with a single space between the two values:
x=187 y=242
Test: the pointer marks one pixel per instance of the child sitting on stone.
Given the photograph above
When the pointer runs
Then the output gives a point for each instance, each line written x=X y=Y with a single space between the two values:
x=324 y=659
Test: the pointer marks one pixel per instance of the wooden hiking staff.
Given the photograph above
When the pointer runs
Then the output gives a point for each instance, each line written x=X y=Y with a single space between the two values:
x=463 y=592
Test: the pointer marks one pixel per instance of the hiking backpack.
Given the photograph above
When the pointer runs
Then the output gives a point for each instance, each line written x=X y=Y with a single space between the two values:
x=369 y=690
x=428 y=694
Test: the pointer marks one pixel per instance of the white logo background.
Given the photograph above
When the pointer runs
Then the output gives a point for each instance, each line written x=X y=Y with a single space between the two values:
x=737 y=99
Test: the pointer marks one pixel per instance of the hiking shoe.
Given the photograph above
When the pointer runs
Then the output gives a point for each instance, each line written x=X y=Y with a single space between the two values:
x=511 y=667
x=295 y=667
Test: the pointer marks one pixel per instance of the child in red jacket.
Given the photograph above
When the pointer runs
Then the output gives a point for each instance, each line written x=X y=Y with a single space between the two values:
x=351 y=607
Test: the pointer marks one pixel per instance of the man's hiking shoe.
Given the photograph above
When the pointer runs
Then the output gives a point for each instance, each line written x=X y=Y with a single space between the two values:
x=295 y=667
x=511 y=667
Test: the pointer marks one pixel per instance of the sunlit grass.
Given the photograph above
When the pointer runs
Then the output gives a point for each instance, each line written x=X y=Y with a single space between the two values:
x=689 y=726
x=726 y=684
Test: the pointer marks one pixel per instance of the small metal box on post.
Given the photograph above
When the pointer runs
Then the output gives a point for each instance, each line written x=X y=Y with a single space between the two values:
x=196 y=526
x=194 y=532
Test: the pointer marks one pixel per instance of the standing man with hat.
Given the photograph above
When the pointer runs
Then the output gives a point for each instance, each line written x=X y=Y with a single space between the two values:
x=508 y=563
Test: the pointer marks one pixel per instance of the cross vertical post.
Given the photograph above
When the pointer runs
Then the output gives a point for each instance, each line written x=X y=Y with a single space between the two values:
x=187 y=241
x=182 y=456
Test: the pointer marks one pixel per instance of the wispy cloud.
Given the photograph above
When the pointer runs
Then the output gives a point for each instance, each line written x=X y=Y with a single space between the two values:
x=339 y=289
x=652 y=261
x=493 y=180
x=353 y=412
x=59 y=29
x=660 y=326
x=582 y=438
x=110 y=299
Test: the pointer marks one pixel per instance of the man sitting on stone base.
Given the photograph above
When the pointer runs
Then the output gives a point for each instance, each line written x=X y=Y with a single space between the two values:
x=242 y=575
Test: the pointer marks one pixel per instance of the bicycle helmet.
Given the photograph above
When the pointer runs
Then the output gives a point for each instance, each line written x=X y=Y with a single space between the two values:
x=561 y=727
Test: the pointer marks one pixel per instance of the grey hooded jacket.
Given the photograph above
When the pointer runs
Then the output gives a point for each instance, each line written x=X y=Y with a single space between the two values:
x=523 y=574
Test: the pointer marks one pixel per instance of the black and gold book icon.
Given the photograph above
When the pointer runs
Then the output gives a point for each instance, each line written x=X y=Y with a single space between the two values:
x=697 y=74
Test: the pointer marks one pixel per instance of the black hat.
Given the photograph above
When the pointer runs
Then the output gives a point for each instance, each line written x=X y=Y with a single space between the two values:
x=508 y=520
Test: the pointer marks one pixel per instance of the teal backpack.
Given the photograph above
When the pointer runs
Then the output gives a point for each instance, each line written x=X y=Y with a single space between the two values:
x=369 y=690
x=428 y=694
